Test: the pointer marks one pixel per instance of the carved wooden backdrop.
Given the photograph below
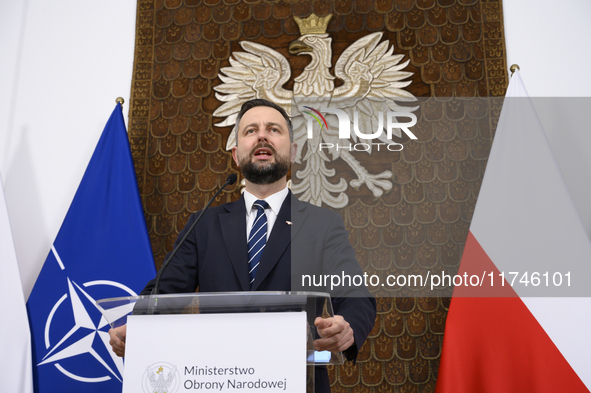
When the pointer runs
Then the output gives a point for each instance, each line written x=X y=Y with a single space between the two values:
x=456 y=49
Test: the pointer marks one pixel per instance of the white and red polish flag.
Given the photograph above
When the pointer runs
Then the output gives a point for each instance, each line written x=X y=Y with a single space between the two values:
x=16 y=364
x=521 y=337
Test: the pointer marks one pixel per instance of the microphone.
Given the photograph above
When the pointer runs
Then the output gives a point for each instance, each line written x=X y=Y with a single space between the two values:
x=229 y=181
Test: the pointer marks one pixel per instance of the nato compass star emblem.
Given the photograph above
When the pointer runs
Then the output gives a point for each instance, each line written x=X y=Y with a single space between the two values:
x=88 y=336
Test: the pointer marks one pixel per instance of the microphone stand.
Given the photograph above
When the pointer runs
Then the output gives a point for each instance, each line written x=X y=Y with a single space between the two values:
x=154 y=301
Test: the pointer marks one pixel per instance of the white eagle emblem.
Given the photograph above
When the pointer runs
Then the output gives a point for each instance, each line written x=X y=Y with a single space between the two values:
x=161 y=384
x=373 y=82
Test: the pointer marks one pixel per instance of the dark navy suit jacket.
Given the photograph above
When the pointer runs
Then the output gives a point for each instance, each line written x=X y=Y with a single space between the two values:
x=214 y=259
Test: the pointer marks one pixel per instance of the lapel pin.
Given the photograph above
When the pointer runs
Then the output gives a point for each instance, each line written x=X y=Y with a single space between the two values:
x=288 y=222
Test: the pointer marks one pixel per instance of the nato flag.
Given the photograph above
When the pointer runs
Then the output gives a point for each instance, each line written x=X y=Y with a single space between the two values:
x=102 y=250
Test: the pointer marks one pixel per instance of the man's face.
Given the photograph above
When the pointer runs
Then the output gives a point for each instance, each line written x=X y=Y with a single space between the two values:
x=263 y=152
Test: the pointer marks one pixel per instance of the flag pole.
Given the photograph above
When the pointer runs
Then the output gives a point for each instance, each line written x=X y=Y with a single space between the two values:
x=120 y=101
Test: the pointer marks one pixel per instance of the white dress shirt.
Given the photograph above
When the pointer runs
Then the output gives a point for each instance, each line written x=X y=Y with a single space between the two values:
x=275 y=201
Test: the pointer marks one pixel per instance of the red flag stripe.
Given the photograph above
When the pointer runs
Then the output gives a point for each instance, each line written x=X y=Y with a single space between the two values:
x=495 y=344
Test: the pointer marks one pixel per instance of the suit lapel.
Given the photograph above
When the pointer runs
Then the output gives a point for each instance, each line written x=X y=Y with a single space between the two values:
x=233 y=226
x=297 y=215
x=276 y=244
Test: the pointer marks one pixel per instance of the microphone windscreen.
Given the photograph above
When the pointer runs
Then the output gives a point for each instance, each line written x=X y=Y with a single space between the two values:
x=231 y=179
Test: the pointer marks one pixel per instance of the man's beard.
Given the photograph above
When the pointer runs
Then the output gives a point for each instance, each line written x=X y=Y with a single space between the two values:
x=265 y=173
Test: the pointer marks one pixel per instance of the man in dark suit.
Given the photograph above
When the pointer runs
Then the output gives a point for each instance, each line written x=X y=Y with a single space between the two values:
x=268 y=239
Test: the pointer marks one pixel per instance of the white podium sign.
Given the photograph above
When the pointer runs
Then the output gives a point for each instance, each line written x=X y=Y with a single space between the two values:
x=250 y=352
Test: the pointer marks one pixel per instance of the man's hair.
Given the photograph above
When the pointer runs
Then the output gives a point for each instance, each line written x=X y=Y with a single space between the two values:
x=248 y=105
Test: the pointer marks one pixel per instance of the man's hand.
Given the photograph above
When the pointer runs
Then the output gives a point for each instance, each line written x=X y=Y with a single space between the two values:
x=117 y=340
x=336 y=334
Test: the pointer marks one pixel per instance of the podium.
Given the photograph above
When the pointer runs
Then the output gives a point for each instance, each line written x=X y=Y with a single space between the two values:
x=234 y=341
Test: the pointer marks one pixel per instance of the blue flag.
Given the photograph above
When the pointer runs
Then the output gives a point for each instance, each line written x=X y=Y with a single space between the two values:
x=102 y=250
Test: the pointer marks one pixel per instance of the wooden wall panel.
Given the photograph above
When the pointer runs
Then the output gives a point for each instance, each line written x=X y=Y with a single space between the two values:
x=456 y=50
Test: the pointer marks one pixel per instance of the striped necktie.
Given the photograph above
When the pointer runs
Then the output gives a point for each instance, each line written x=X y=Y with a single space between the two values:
x=257 y=239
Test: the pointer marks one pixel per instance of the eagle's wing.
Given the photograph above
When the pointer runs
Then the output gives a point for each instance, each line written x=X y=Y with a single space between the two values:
x=371 y=70
x=170 y=377
x=151 y=377
x=373 y=82
x=260 y=72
